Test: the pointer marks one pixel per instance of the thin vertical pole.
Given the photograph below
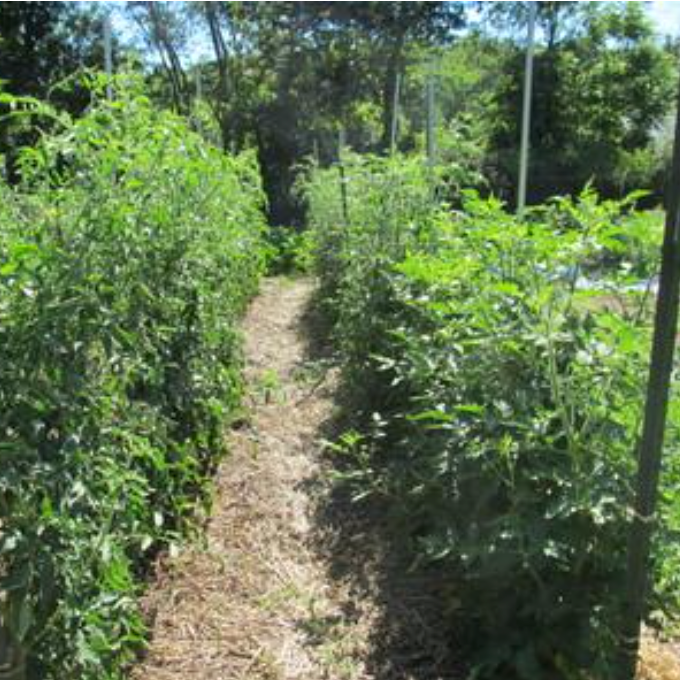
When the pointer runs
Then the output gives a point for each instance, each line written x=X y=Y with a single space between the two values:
x=198 y=99
x=5 y=648
x=395 y=114
x=651 y=443
x=431 y=121
x=199 y=85
x=108 y=56
x=526 y=110
x=343 y=179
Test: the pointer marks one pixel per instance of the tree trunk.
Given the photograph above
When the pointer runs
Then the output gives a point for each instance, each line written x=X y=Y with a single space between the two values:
x=219 y=106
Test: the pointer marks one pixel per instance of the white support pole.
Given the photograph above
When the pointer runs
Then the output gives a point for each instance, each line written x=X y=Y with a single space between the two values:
x=526 y=111
x=108 y=56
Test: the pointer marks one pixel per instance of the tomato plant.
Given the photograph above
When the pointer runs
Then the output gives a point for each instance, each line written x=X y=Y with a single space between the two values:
x=499 y=366
x=127 y=254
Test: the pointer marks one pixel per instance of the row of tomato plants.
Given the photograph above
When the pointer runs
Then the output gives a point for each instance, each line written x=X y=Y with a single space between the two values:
x=127 y=253
x=497 y=366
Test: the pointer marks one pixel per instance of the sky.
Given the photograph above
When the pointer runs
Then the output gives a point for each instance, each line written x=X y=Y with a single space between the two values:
x=666 y=16
x=664 y=13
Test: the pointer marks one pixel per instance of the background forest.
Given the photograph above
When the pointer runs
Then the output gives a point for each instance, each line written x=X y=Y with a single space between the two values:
x=286 y=78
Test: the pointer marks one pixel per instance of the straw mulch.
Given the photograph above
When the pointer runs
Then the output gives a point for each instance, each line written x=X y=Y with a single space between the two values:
x=658 y=660
x=264 y=596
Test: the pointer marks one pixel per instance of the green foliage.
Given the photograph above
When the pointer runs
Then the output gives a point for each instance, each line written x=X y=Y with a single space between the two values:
x=285 y=76
x=464 y=76
x=600 y=91
x=289 y=251
x=501 y=397
x=127 y=253
x=387 y=202
x=43 y=44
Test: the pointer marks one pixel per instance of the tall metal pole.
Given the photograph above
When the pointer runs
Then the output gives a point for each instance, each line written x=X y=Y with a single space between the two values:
x=431 y=120
x=395 y=114
x=651 y=443
x=199 y=84
x=108 y=56
x=526 y=110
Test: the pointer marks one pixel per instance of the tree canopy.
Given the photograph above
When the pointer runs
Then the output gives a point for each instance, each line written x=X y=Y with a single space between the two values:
x=286 y=77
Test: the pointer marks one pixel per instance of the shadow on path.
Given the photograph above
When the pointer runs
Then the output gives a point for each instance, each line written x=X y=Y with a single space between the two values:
x=395 y=609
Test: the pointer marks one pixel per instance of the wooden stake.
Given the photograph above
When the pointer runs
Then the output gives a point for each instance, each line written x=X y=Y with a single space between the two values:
x=651 y=443
x=343 y=179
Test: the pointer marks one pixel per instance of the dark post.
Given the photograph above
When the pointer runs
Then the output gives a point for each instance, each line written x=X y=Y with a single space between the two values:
x=651 y=442
x=343 y=179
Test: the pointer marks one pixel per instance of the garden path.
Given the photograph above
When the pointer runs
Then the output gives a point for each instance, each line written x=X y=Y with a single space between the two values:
x=287 y=582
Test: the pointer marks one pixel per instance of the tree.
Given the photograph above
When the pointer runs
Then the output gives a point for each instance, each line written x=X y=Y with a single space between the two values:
x=42 y=43
x=287 y=75
x=600 y=90
x=163 y=27
x=555 y=21
x=391 y=29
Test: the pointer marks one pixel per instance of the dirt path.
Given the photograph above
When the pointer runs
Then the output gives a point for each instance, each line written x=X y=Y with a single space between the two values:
x=284 y=587
x=237 y=606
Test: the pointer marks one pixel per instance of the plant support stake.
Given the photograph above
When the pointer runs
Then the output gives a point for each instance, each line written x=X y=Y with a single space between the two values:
x=395 y=114
x=526 y=111
x=651 y=442
x=431 y=122
x=343 y=179
x=199 y=85
x=108 y=58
